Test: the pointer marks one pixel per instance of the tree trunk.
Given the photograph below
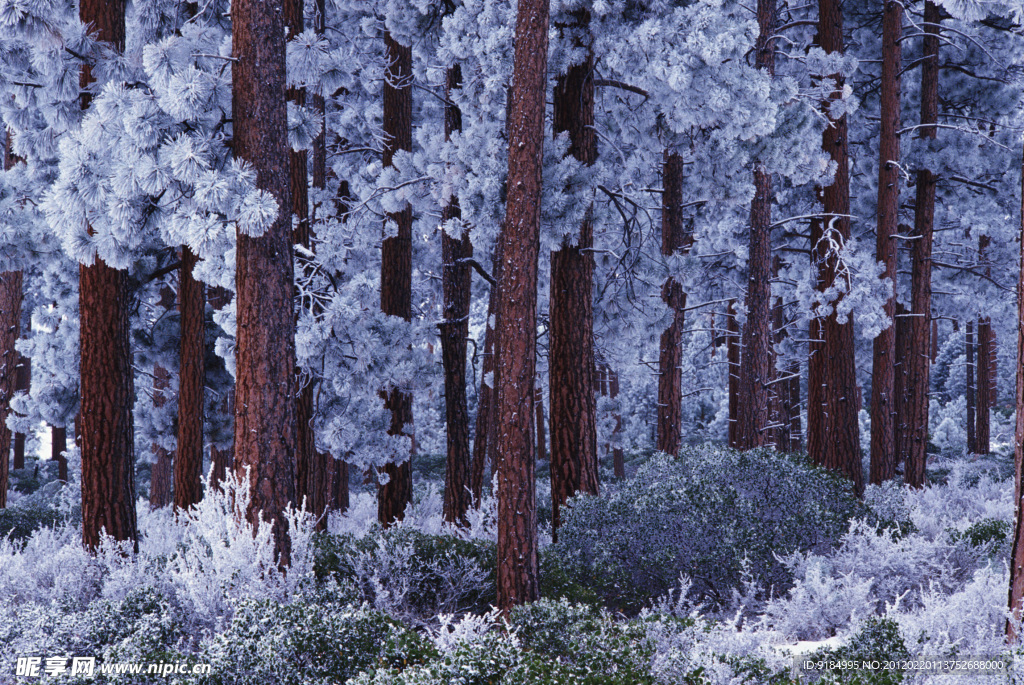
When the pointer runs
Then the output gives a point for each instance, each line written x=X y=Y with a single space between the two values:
x=571 y=360
x=972 y=436
x=265 y=425
x=883 y=433
x=758 y=363
x=58 y=446
x=222 y=460
x=833 y=428
x=1016 y=594
x=484 y=413
x=618 y=460
x=396 y=271
x=993 y=369
x=22 y=383
x=10 y=324
x=517 y=312
x=783 y=410
x=542 y=442
x=162 y=475
x=900 y=380
x=108 y=451
x=984 y=390
x=732 y=355
x=670 y=375
x=188 y=459
x=918 y=381
x=455 y=276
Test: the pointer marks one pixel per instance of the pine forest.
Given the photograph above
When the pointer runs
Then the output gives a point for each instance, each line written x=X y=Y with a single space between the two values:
x=519 y=342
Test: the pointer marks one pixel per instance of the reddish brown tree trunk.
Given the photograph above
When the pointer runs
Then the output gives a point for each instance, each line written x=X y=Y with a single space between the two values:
x=571 y=359
x=833 y=429
x=757 y=369
x=188 y=458
x=22 y=383
x=517 y=312
x=396 y=271
x=883 y=432
x=993 y=369
x=265 y=431
x=455 y=276
x=670 y=375
x=984 y=391
x=1016 y=593
x=108 y=451
x=900 y=379
x=919 y=362
x=972 y=437
x=935 y=340
x=732 y=355
x=10 y=324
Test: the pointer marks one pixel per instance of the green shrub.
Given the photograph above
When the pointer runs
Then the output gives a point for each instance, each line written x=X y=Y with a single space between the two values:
x=19 y=522
x=994 y=531
x=715 y=515
x=878 y=640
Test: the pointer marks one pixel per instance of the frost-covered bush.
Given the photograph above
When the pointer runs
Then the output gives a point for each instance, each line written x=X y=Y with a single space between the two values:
x=409 y=574
x=305 y=643
x=713 y=514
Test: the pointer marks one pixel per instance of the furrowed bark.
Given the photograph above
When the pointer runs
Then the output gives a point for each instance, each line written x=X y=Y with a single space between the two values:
x=10 y=323
x=188 y=458
x=265 y=430
x=517 y=312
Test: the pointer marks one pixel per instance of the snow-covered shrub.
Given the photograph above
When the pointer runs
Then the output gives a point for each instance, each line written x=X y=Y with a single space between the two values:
x=305 y=643
x=702 y=514
x=411 y=575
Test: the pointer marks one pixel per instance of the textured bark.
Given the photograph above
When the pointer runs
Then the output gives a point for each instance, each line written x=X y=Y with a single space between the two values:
x=265 y=431
x=670 y=375
x=883 y=434
x=571 y=335
x=22 y=383
x=10 y=323
x=1016 y=592
x=833 y=429
x=107 y=433
x=517 y=312
x=732 y=355
x=972 y=437
x=396 y=270
x=455 y=277
x=756 y=372
x=983 y=395
x=919 y=363
x=188 y=458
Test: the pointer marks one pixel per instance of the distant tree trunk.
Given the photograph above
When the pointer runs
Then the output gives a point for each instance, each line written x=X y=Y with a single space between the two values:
x=58 y=446
x=757 y=369
x=618 y=461
x=732 y=355
x=338 y=495
x=795 y=430
x=919 y=368
x=883 y=432
x=935 y=340
x=984 y=390
x=783 y=409
x=901 y=380
x=396 y=271
x=455 y=276
x=670 y=375
x=833 y=428
x=484 y=413
x=188 y=459
x=10 y=324
x=108 y=450
x=571 y=360
x=1016 y=593
x=162 y=475
x=22 y=383
x=222 y=460
x=265 y=414
x=542 y=442
x=517 y=312
x=993 y=369
x=972 y=437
